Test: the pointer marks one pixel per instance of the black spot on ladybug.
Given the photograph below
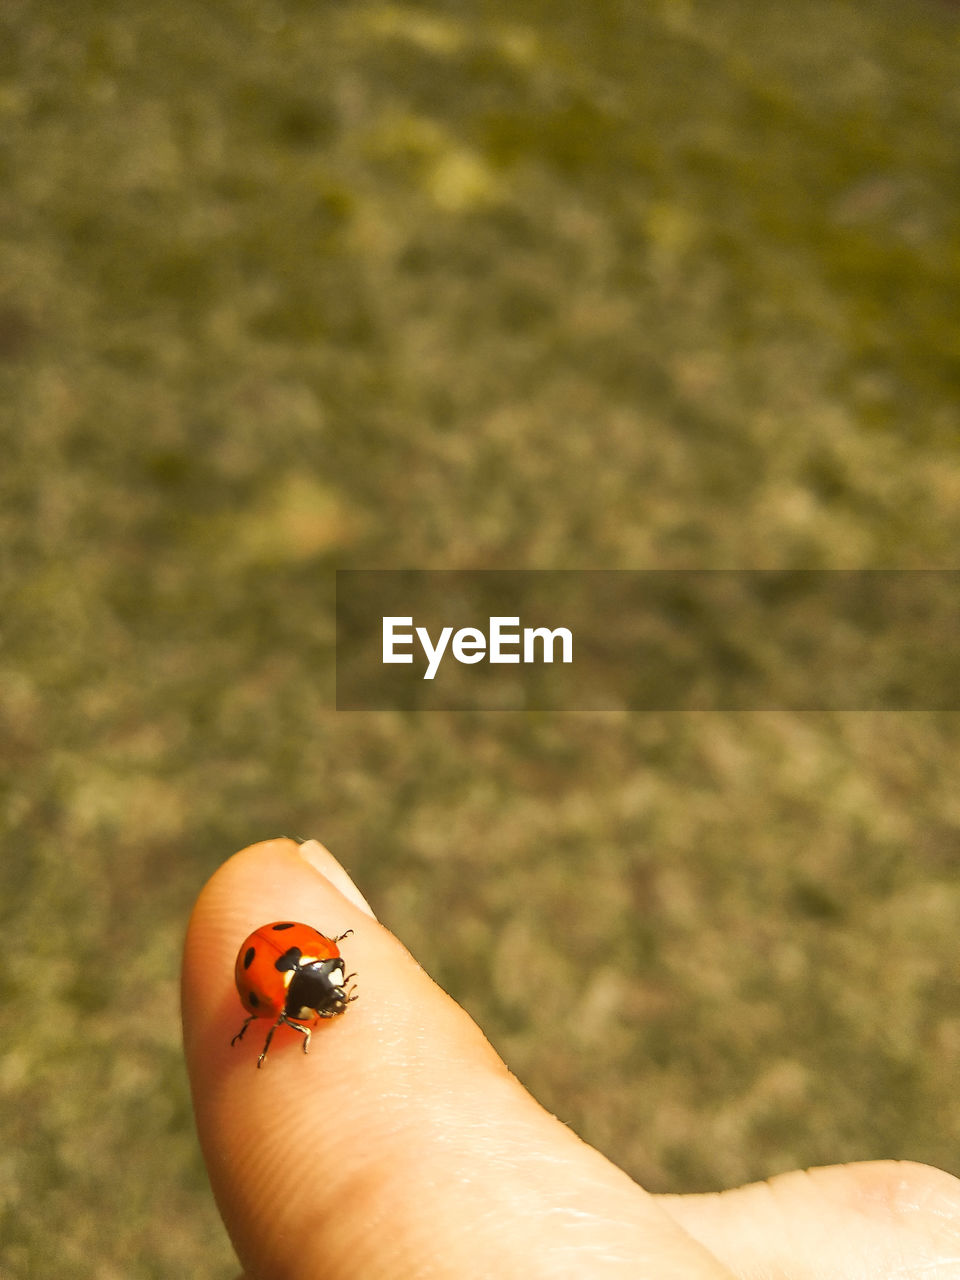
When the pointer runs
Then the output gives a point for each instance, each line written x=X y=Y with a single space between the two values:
x=248 y=958
x=278 y=927
x=289 y=960
x=253 y=999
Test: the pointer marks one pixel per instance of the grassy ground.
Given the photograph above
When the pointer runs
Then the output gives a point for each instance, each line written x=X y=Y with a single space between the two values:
x=287 y=286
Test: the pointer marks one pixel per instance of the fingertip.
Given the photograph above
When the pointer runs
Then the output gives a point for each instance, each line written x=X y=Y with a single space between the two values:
x=260 y=1130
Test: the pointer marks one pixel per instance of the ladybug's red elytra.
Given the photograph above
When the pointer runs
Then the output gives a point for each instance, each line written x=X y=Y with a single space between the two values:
x=294 y=974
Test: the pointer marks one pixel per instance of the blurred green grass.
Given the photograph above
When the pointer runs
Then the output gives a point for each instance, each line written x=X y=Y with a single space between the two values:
x=289 y=286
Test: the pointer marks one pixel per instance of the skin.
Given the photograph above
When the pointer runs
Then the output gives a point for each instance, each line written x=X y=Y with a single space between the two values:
x=407 y=1151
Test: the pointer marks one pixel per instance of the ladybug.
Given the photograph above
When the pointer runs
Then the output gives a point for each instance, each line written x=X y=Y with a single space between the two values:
x=294 y=974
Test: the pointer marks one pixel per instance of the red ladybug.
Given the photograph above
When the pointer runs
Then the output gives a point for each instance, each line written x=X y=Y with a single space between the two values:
x=293 y=974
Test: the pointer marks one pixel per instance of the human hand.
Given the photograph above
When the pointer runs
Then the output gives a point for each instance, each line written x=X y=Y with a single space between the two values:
x=401 y=1148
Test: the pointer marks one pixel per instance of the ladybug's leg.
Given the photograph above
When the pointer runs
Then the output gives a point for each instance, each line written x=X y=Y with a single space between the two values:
x=266 y=1045
x=304 y=1031
x=239 y=1035
x=284 y=1021
x=341 y=936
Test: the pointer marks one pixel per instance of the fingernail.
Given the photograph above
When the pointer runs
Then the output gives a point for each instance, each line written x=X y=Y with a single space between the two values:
x=322 y=860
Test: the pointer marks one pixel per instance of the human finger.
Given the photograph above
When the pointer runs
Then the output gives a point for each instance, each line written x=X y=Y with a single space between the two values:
x=400 y=1146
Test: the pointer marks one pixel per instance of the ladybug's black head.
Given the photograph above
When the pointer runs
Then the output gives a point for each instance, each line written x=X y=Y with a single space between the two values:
x=317 y=988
